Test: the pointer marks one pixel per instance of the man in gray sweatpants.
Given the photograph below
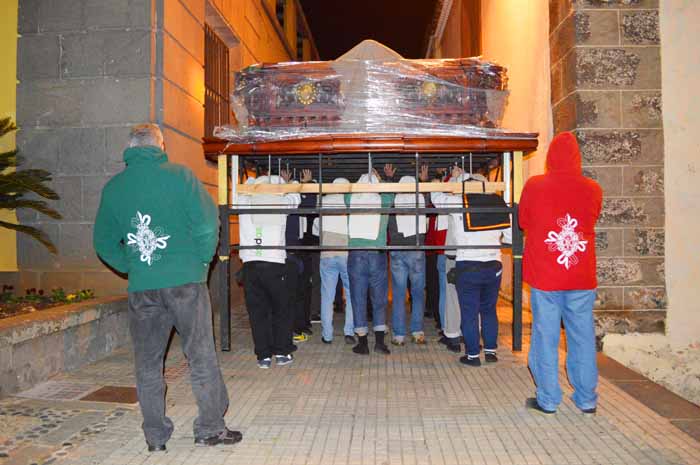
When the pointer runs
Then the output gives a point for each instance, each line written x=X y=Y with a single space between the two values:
x=158 y=224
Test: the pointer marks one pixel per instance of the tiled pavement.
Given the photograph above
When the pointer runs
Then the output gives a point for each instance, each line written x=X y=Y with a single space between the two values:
x=331 y=407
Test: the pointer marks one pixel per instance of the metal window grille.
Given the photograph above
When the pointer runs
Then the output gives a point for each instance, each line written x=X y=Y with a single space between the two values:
x=279 y=10
x=216 y=82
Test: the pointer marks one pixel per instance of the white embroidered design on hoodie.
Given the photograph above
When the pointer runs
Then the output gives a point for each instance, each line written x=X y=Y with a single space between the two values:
x=146 y=240
x=567 y=241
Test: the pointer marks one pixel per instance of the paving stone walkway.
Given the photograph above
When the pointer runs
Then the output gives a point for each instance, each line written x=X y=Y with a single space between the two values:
x=417 y=406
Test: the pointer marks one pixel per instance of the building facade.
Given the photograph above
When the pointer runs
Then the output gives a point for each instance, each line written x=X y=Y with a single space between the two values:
x=88 y=70
x=616 y=72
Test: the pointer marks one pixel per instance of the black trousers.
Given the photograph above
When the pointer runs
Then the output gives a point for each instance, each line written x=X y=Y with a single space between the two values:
x=267 y=301
x=296 y=290
x=432 y=287
x=312 y=286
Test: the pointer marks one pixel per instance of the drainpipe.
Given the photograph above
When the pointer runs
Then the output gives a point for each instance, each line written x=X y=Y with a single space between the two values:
x=445 y=9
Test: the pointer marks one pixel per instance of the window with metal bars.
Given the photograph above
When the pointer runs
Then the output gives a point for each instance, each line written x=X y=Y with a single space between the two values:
x=216 y=82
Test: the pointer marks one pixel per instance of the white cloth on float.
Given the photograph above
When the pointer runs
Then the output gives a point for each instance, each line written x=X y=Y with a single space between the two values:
x=406 y=224
x=365 y=225
x=335 y=223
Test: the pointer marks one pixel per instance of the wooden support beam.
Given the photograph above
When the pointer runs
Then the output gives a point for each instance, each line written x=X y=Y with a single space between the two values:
x=290 y=26
x=450 y=187
x=517 y=175
x=223 y=179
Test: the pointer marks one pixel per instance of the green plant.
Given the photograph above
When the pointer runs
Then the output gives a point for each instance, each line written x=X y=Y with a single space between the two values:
x=8 y=294
x=16 y=184
x=58 y=295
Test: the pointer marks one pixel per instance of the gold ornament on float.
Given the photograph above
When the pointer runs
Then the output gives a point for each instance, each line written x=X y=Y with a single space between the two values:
x=306 y=93
x=429 y=90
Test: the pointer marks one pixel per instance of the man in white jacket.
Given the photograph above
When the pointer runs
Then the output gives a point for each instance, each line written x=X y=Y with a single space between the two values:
x=264 y=274
x=478 y=276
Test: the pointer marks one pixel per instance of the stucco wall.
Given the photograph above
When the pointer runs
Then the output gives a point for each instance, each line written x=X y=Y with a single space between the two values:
x=8 y=85
x=251 y=37
x=681 y=99
x=515 y=34
x=674 y=359
x=524 y=50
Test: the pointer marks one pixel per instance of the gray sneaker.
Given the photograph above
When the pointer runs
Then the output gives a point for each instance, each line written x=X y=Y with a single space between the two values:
x=265 y=363
x=284 y=359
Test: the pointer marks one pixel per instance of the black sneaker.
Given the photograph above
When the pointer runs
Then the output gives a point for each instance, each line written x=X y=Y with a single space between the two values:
x=456 y=348
x=307 y=331
x=381 y=349
x=315 y=318
x=226 y=437
x=444 y=340
x=152 y=448
x=532 y=404
x=350 y=339
x=326 y=342
x=585 y=411
x=490 y=357
x=282 y=360
x=472 y=362
x=361 y=349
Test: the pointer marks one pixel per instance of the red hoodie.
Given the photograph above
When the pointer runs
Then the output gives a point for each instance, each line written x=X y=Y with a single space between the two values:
x=558 y=211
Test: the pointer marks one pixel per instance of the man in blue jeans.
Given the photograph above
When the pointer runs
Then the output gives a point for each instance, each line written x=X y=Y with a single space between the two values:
x=477 y=276
x=367 y=269
x=408 y=266
x=334 y=266
x=558 y=211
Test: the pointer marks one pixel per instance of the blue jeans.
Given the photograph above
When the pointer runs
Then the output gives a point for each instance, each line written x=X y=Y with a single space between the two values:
x=367 y=272
x=548 y=309
x=333 y=268
x=477 y=286
x=442 y=283
x=407 y=267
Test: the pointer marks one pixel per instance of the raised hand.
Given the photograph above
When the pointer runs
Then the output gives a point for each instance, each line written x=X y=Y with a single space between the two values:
x=389 y=170
x=424 y=175
x=306 y=176
x=284 y=174
x=456 y=172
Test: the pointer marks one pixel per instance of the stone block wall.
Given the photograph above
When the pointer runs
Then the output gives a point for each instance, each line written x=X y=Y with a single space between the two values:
x=84 y=71
x=39 y=345
x=90 y=69
x=606 y=88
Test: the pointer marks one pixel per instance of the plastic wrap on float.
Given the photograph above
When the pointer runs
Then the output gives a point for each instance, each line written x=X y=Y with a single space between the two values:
x=462 y=97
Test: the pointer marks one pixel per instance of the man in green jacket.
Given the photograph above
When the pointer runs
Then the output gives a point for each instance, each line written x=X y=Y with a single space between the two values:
x=157 y=223
x=367 y=269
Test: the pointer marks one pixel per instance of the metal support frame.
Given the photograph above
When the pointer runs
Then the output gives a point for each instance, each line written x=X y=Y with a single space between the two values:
x=512 y=179
x=517 y=252
x=224 y=263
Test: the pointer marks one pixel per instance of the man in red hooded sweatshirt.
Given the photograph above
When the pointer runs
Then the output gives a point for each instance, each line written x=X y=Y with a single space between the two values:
x=558 y=212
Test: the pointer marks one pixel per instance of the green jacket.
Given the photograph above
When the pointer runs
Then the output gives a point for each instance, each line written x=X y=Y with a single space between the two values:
x=156 y=222
x=387 y=201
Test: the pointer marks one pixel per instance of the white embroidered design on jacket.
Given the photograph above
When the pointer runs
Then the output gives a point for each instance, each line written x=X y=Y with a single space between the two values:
x=146 y=240
x=567 y=241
